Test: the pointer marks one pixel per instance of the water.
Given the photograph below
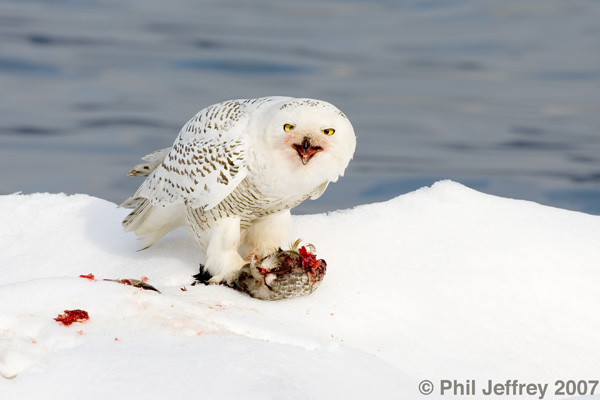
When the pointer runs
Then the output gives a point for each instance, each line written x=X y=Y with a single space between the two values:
x=502 y=96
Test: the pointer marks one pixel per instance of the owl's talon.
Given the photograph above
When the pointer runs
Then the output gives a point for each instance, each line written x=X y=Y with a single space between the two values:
x=251 y=257
x=296 y=244
x=215 y=280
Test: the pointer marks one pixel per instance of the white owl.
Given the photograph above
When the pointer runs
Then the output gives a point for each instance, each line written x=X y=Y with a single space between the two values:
x=233 y=174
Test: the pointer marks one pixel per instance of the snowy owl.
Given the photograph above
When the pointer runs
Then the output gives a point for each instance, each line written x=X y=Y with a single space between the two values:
x=233 y=174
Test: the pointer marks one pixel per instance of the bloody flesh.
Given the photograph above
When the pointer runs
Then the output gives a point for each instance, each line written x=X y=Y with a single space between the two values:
x=71 y=316
x=309 y=260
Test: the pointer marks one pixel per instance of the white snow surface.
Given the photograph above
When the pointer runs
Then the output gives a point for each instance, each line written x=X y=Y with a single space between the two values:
x=441 y=283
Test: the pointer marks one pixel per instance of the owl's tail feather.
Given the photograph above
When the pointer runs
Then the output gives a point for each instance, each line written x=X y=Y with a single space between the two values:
x=154 y=159
x=148 y=221
x=151 y=222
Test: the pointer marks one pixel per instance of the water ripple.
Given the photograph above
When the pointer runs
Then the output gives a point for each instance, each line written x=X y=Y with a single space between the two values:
x=17 y=66
x=241 y=67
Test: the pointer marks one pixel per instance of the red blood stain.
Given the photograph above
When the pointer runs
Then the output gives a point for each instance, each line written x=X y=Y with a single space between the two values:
x=145 y=279
x=217 y=307
x=88 y=276
x=309 y=260
x=71 y=316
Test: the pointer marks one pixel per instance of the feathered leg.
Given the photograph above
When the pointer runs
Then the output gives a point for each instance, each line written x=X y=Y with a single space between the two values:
x=223 y=261
x=267 y=234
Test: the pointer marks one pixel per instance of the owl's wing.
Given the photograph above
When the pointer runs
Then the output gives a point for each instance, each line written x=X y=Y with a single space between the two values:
x=207 y=161
x=315 y=194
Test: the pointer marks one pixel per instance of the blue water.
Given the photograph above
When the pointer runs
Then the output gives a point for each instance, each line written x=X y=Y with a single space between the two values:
x=502 y=96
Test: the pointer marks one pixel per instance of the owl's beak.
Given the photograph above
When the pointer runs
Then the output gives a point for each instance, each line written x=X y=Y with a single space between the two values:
x=306 y=150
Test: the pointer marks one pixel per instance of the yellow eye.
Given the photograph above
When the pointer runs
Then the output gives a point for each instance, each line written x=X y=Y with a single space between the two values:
x=328 y=131
x=288 y=127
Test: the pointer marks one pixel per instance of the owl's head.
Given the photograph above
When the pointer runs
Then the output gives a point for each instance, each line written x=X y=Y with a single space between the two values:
x=310 y=137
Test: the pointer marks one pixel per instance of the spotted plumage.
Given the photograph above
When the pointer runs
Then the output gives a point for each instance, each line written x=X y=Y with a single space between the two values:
x=234 y=172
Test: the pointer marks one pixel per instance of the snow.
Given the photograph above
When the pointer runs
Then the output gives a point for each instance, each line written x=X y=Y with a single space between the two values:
x=441 y=283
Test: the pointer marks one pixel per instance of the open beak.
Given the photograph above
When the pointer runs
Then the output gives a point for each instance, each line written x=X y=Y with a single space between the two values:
x=306 y=150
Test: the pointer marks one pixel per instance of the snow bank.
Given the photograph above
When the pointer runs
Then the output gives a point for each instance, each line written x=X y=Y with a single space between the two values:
x=441 y=283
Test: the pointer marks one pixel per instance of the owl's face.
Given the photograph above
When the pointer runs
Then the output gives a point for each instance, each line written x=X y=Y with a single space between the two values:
x=311 y=136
